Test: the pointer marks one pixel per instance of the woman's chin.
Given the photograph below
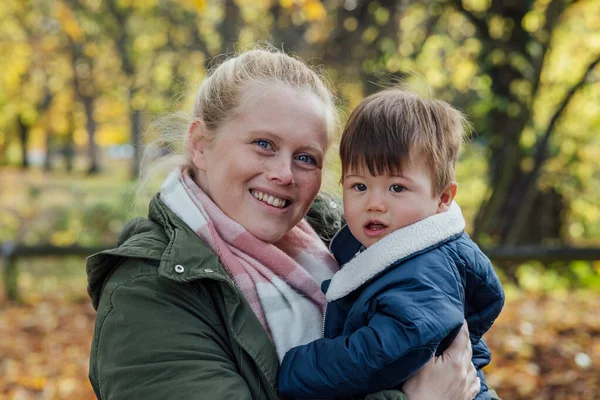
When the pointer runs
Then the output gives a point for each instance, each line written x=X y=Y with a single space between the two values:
x=268 y=227
x=272 y=235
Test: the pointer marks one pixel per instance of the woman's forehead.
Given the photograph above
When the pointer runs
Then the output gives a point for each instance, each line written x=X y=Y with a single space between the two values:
x=288 y=113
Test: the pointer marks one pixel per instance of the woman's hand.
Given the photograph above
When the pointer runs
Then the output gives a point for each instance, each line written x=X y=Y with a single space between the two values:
x=450 y=376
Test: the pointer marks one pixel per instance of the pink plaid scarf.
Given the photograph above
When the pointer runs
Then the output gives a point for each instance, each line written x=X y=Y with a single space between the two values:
x=280 y=281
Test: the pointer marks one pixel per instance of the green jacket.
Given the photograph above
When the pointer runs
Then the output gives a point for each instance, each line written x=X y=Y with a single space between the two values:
x=171 y=323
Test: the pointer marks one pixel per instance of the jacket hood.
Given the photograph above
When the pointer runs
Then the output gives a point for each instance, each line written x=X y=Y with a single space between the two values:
x=162 y=237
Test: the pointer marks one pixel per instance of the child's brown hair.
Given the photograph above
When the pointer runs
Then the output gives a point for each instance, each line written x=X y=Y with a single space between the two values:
x=395 y=126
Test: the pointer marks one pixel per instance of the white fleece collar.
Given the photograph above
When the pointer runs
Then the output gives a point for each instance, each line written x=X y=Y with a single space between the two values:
x=395 y=246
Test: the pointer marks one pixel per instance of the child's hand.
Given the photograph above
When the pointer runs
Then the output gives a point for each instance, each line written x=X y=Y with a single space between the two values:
x=450 y=376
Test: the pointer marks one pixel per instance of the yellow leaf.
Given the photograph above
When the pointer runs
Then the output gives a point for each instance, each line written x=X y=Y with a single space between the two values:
x=286 y=3
x=200 y=4
x=315 y=11
x=69 y=23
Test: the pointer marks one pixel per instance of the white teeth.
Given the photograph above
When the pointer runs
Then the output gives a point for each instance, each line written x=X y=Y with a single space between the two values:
x=274 y=201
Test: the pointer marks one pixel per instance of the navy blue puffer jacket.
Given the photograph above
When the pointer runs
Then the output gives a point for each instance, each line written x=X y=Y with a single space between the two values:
x=393 y=306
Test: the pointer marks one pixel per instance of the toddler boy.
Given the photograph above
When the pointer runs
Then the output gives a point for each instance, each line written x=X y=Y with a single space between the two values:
x=410 y=274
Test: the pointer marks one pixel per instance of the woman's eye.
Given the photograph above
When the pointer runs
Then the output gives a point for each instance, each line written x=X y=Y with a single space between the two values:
x=360 y=187
x=396 y=188
x=263 y=143
x=304 y=158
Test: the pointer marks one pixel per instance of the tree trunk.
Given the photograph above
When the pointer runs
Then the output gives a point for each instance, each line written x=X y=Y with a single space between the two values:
x=229 y=28
x=135 y=125
x=49 y=151
x=511 y=189
x=24 y=138
x=88 y=105
x=69 y=149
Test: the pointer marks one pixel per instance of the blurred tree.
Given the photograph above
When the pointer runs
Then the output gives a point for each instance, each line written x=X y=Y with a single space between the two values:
x=144 y=36
x=27 y=94
x=84 y=88
x=364 y=37
x=515 y=39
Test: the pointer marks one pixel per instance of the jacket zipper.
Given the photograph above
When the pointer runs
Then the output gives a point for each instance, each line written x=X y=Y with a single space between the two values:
x=324 y=316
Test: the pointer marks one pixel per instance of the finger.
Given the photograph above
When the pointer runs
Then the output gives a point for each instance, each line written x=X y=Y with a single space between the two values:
x=459 y=349
x=476 y=387
x=472 y=370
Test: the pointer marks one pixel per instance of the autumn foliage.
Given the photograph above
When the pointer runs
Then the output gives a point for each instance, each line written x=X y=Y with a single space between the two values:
x=543 y=347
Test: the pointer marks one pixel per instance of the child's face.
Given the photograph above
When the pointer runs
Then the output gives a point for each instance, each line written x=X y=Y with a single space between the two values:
x=375 y=206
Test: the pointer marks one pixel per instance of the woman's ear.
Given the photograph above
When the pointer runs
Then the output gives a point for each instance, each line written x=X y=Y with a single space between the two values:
x=197 y=143
x=446 y=197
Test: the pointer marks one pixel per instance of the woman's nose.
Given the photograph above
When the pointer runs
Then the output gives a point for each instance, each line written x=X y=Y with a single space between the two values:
x=280 y=171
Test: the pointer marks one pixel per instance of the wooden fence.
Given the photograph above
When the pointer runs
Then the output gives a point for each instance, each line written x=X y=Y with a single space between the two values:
x=10 y=252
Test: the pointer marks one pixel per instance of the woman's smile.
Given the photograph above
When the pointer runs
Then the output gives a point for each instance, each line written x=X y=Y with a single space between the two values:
x=270 y=199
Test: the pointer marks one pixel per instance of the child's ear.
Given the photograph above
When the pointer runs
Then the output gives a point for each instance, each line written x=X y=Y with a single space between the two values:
x=446 y=197
x=197 y=143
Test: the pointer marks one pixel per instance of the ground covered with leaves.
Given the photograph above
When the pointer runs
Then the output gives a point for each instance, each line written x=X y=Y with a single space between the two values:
x=544 y=346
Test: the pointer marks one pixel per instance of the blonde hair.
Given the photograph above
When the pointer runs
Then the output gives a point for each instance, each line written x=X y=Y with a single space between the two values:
x=396 y=126
x=222 y=93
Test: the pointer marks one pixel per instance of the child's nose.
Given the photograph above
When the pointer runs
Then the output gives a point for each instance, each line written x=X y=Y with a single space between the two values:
x=376 y=204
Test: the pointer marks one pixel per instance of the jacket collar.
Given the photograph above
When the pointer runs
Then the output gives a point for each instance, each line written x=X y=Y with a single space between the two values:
x=164 y=238
x=186 y=257
x=395 y=247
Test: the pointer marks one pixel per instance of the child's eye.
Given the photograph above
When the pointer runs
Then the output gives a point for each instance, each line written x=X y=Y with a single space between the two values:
x=265 y=144
x=360 y=187
x=396 y=188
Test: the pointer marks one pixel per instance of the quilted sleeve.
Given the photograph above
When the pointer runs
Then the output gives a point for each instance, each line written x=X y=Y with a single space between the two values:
x=484 y=294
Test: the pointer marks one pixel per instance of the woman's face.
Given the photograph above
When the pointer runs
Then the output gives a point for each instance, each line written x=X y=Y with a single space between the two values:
x=263 y=169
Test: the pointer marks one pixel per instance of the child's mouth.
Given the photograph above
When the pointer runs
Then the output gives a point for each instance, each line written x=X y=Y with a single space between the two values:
x=374 y=228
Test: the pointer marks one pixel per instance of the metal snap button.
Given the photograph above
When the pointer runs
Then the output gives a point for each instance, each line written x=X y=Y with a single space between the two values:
x=179 y=269
x=209 y=271
x=336 y=224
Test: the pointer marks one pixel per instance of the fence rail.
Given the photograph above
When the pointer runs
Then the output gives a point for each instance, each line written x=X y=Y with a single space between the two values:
x=10 y=252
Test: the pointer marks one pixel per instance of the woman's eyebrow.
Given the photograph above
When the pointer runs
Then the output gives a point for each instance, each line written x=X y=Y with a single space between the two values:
x=264 y=132
x=314 y=148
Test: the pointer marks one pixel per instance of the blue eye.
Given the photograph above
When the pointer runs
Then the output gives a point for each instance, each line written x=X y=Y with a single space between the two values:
x=304 y=158
x=265 y=144
x=396 y=188
x=360 y=187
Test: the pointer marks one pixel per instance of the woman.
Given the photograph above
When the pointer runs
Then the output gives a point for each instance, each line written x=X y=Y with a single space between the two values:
x=203 y=298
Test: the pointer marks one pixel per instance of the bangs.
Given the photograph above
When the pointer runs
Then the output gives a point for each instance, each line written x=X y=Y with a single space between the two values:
x=375 y=139
x=375 y=153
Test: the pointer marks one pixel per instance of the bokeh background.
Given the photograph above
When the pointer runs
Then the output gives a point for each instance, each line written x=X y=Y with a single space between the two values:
x=82 y=84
